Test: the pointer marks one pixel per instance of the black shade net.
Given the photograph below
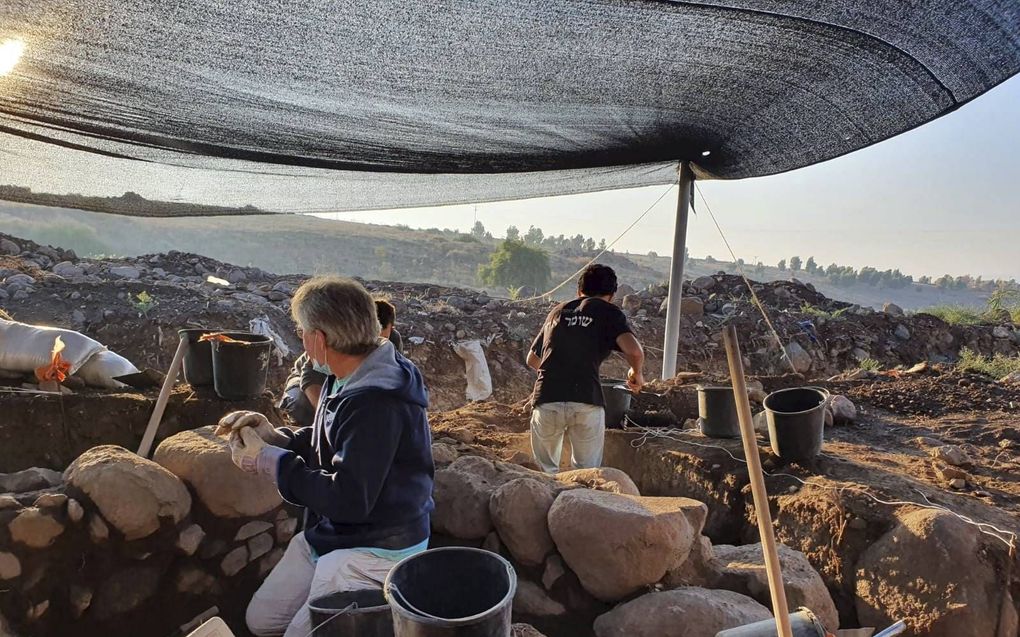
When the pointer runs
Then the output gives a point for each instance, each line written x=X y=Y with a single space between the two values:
x=314 y=104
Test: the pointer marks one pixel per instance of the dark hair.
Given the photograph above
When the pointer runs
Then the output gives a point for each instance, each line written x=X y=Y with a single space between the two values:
x=597 y=280
x=386 y=313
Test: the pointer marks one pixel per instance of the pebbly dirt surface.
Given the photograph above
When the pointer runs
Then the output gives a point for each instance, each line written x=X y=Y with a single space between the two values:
x=938 y=391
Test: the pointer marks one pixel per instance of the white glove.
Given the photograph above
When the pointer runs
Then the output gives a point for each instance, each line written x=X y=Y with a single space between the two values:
x=245 y=445
x=235 y=421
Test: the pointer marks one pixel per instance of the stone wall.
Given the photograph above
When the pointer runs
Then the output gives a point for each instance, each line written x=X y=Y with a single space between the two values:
x=593 y=556
x=120 y=545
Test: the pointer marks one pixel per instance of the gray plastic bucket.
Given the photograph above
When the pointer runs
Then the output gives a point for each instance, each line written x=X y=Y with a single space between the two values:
x=617 y=397
x=351 y=614
x=717 y=410
x=803 y=623
x=796 y=419
x=240 y=370
x=451 y=592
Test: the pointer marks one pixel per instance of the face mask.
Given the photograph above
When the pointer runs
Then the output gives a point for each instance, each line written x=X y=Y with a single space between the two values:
x=321 y=367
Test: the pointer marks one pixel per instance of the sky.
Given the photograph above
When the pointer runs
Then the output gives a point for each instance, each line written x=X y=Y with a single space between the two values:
x=943 y=198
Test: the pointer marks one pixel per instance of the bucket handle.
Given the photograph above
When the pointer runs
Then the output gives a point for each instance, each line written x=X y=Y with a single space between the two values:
x=342 y=611
x=392 y=588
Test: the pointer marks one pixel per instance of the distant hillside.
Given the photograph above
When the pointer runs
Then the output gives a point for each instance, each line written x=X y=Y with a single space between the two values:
x=297 y=243
x=911 y=296
x=291 y=244
x=129 y=203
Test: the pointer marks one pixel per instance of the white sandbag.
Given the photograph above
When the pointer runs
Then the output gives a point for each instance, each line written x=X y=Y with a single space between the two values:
x=25 y=348
x=103 y=367
x=479 y=381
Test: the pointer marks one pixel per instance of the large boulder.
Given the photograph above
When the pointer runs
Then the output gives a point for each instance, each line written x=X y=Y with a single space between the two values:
x=462 y=492
x=600 y=479
x=519 y=511
x=34 y=528
x=531 y=600
x=32 y=479
x=685 y=612
x=701 y=568
x=125 y=591
x=202 y=460
x=132 y=493
x=931 y=571
x=617 y=544
x=742 y=570
x=797 y=357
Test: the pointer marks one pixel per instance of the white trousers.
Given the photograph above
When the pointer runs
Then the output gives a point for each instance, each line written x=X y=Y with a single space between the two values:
x=280 y=605
x=583 y=424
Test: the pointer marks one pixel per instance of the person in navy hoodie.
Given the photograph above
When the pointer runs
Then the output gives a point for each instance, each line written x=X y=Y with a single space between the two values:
x=363 y=470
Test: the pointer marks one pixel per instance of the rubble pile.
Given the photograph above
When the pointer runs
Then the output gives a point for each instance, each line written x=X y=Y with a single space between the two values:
x=109 y=298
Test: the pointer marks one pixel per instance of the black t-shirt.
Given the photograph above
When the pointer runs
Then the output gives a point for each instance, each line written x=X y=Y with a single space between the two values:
x=576 y=338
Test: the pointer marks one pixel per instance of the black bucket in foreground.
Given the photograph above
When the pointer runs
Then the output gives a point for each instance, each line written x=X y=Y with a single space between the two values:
x=240 y=369
x=451 y=592
x=617 y=397
x=803 y=623
x=796 y=419
x=351 y=614
x=717 y=411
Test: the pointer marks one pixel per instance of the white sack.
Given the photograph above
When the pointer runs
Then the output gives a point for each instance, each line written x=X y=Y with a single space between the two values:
x=25 y=348
x=479 y=381
x=103 y=367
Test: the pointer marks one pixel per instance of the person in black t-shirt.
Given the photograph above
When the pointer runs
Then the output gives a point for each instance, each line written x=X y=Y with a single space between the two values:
x=574 y=341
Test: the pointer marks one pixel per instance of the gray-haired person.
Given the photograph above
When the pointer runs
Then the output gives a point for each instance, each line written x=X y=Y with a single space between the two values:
x=304 y=385
x=363 y=470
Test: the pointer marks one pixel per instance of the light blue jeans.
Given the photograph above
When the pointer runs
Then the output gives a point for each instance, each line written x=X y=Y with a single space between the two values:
x=583 y=424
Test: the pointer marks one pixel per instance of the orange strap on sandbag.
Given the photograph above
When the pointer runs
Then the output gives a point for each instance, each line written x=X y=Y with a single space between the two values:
x=58 y=368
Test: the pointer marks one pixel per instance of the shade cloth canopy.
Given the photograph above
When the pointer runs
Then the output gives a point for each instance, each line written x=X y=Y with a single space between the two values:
x=443 y=101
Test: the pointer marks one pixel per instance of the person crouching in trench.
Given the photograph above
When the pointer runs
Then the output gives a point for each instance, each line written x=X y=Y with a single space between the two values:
x=363 y=470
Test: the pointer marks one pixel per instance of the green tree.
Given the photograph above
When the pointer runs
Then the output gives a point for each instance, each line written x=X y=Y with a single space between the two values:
x=781 y=265
x=515 y=264
x=478 y=230
x=513 y=234
x=811 y=266
x=795 y=264
x=534 y=237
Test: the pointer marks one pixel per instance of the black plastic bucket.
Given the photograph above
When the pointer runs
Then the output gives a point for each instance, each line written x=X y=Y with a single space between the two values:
x=717 y=410
x=197 y=358
x=617 y=397
x=240 y=369
x=803 y=623
x=796 y=420
x=351 y=614
x=451 y=592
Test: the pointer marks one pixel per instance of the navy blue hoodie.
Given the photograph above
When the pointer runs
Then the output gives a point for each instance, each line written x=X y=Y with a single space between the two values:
x=364 y=468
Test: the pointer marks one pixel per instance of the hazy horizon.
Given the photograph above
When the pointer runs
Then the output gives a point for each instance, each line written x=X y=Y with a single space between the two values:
x=909 y=202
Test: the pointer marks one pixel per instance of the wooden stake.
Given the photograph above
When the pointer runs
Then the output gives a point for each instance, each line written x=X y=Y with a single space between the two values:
x=761 y=497
x=164 y=396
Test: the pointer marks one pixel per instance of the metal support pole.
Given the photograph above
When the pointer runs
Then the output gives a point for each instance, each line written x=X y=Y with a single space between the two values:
x=676 y=273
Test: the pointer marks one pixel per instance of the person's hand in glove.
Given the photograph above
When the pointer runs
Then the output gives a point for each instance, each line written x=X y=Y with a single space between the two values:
x=236 y=421
x=251 y=453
